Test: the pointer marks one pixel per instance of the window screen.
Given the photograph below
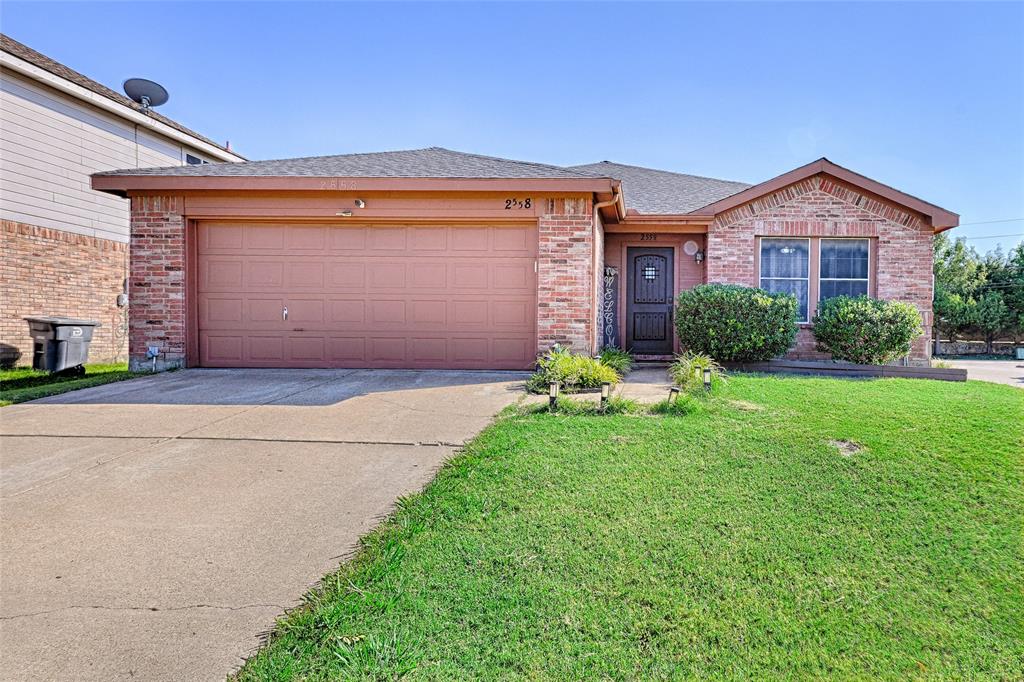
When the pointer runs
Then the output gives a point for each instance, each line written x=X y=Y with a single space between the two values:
x=844 y=268
x=785 y=269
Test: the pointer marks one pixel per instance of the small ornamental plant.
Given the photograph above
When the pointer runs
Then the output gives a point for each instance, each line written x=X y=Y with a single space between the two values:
x=687 y=372
x=732 y=323
x=865 y=330
x=571 y=371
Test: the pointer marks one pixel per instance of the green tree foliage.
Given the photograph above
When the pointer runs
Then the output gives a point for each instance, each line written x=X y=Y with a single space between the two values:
x=978 y=296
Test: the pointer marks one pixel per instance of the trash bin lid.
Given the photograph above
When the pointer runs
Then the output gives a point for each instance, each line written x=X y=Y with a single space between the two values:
x=64 y=321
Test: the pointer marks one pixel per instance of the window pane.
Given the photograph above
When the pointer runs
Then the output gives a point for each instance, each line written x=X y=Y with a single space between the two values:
x=797 y=287
x=843 y=287
x=844 y=258
x=784 y=258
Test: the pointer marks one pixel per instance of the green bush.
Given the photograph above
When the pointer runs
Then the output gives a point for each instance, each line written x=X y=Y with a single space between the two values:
x=735 y=324
x=616 y=358
x=687 y=371
x=866 y=330
x=571 y=371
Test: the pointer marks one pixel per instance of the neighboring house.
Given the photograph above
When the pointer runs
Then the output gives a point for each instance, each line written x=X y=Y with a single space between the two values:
x=65 y=247
x=434 y=258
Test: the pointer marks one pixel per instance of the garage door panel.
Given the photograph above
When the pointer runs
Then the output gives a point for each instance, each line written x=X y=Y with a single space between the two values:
x=264 y=274
x=386 y=239
x=306 y=350
x=265 y=348
x=304 y=274
x=426 y=239
x=429 y=313
x=471 y=239
x=384 y=275
x=306 y=238
x=346 y=351
x=347 y=239
x=512 y=276
x=359 y=296
x=264 y=238
x=349 y=312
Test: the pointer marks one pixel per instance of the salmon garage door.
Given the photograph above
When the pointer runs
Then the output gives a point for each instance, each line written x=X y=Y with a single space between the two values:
x=438 y=296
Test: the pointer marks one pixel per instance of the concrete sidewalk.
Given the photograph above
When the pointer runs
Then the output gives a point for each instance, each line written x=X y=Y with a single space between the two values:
x=1009 y=372
x=153 y=528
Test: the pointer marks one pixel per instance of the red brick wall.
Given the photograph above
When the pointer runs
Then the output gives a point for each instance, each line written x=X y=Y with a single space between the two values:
x=157 y=281
x=52 y=272
x=824 y=207
x=565 y=275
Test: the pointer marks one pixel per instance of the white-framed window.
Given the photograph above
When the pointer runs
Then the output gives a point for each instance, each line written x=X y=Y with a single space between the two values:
x=844 y=267
x=785 y=268
x=192 y=160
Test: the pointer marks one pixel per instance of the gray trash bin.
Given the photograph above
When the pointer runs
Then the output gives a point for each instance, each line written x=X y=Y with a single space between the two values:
x=60 y=343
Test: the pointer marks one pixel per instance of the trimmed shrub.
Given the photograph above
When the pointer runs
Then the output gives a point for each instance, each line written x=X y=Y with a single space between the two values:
x=735 y=324
x=866 y=330
x=616 y=358
x=571 y=371
x=687 y=371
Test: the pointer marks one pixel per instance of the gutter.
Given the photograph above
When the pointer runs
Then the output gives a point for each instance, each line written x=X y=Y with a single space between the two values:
x=9 y=61
x=620 y=207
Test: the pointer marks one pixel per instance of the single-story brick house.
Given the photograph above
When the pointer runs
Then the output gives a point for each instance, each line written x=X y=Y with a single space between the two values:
x=432 y=258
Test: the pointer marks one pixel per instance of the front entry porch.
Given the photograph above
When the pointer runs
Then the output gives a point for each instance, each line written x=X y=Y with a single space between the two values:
x=643 y=273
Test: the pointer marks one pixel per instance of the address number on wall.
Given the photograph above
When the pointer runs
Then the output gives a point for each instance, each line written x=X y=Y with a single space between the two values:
x=648 y=237
x=518 y=203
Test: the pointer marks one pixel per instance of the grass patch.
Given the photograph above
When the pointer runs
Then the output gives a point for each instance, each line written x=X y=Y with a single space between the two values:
x=24 y=383
x=729 y=543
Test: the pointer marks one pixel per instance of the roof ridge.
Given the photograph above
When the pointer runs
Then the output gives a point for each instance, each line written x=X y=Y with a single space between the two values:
x=662 y=170
x=533 y=164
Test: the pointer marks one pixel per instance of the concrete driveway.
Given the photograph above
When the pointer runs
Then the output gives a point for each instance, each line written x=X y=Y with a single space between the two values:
x=152 y=529
x=1009 y=372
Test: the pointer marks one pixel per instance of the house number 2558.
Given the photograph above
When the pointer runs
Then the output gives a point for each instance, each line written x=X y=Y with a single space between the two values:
x=648 y=237
x=518 y=203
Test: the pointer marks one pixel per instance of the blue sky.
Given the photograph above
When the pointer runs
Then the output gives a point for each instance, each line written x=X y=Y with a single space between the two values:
x=926 y=97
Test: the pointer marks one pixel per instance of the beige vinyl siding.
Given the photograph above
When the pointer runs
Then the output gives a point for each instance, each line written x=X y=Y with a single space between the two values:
x=50 y=143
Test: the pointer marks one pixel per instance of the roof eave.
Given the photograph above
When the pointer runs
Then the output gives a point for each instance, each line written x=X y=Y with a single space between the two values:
x=939 y=218
x=122 y=185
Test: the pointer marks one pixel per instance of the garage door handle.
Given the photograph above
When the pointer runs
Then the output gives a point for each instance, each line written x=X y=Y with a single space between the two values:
x=284 y=313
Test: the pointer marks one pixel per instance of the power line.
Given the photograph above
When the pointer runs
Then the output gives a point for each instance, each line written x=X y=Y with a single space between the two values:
x=994 y=236
x=992 y=222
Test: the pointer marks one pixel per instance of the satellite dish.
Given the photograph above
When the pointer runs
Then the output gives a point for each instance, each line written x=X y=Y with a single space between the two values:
x=145 y=92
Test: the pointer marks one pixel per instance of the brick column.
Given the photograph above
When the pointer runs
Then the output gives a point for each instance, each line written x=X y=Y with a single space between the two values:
x=565 y=275
x=157 y=282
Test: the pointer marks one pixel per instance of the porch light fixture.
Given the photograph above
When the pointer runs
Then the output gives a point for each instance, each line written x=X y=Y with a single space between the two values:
x=552 y=395
x=699 y=256
x=673 y=394
x=606 y=388
x=707 y=378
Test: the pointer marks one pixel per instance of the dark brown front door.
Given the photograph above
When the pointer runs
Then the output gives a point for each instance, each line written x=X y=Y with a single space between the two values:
x=649 y=300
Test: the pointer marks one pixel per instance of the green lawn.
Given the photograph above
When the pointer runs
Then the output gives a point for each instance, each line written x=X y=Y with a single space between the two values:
x=735 y=541
x=23 y=383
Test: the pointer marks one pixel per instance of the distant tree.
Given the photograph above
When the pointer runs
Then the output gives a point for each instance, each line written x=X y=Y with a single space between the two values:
x=958 y=268
x=953 y=315
x=1005 y=274
x=958 y=275
x=992 y=317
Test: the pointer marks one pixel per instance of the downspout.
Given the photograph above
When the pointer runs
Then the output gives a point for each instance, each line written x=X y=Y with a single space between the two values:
x=598 y=276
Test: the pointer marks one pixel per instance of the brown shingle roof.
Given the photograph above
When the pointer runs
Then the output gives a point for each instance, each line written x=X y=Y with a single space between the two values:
x=432 y=162
x=13 y=47
x=653 y=191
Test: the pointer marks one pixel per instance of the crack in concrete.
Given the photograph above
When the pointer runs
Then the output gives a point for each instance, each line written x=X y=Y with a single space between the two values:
x=156 y=609
x=163 y=439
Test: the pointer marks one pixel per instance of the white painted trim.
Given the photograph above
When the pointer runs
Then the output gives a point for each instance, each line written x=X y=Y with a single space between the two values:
x=867 y=280
x=760 y=268
x=23 y=67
